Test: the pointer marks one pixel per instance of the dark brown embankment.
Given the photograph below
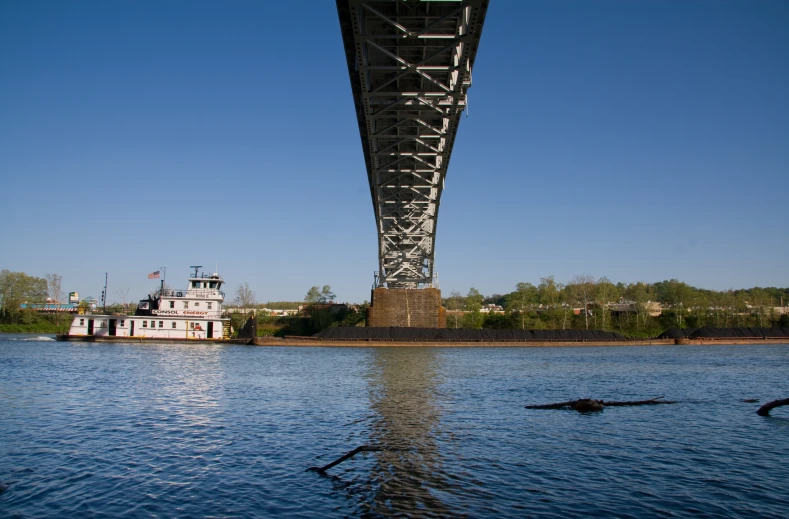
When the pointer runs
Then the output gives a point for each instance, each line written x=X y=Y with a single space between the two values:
x=384 y=343
x=451 y=337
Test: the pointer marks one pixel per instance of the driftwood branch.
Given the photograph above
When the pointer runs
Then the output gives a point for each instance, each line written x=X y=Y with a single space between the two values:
x=769 y=406
x=651 y=401
x=586 y=405
x=346 y=456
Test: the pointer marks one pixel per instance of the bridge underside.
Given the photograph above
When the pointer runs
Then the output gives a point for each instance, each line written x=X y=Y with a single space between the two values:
x=410 y=66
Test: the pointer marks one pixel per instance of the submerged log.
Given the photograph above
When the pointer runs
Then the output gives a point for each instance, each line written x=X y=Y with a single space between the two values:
x=651 y=401
x=589 y=405
x=346 y=456
x=769 y=406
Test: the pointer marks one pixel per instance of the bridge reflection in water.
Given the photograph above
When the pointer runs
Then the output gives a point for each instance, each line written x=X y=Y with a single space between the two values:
x=406 y=477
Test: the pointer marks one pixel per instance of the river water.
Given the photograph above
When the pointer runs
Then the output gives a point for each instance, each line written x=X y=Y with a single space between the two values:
x=205 y=430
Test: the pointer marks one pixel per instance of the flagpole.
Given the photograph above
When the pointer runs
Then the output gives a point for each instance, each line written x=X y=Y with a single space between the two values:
x=164 y=276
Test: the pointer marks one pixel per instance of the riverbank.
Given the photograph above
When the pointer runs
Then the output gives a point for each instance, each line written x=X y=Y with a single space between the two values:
x=40 y=327
x=383 y=343
x=318 y=342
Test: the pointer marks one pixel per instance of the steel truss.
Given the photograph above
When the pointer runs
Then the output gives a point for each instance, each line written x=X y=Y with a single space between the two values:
x=410 y=65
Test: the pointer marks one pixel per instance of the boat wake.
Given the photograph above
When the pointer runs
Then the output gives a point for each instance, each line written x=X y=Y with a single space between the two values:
x=40 y=338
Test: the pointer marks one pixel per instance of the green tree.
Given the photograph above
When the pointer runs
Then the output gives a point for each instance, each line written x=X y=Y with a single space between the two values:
x=473 y=317
x=313 y=295
x=698 y=304
x=583 y=288
x=17 y=288
x=740 y=308
x=525 y=297
x=499 y=321
x=760 y=304
x=317 y=295
x=454 y=304
x=717 y=301
x=474 y=300
x=642 y=295
x=548 y=296
x=566 y=300
x=318 y=307
x=604 y=293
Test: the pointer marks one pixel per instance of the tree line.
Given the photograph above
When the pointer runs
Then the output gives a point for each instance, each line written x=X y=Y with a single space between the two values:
x=635 y=309
x=318 y=313
x=17 y=288
x=631 y=309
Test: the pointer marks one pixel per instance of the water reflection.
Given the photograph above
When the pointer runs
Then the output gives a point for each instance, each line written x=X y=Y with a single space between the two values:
x=407 y=478
x=189 y=380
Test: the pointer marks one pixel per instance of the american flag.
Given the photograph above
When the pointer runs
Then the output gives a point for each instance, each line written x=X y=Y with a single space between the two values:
x=153 y=275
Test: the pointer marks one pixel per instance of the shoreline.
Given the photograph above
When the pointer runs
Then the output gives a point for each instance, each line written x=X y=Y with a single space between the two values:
x=386 y=343
x=316 y=342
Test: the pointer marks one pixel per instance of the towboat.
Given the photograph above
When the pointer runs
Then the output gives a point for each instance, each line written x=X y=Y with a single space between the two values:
x=190 y=314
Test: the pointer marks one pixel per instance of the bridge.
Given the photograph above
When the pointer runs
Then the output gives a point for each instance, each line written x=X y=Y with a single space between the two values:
x=410 y=64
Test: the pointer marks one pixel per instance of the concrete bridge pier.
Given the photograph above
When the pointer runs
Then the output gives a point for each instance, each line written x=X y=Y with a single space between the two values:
x=406 y=307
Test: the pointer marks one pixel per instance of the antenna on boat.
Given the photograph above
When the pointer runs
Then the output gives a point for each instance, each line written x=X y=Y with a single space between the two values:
x=196 y=267
x=104 y=294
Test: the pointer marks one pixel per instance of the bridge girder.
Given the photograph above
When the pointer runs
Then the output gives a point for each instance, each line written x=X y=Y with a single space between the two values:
x=410 y=64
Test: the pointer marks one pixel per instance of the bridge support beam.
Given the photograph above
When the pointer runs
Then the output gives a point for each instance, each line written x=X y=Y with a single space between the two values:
x=409 y=62
x=406 y=307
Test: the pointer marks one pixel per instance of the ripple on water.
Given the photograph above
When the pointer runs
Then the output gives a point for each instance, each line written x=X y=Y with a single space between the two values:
x=228 y=431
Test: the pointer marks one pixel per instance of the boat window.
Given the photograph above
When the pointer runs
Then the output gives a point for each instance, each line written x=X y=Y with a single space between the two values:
x=82 y=322
x=212 y=284
x=192 y=326
x=173 y=324
x=197 y=303
x=161 y=324
x=123 y=323
x=145 y=324
x=209 y=306
x=186 y=304
x=172 y=304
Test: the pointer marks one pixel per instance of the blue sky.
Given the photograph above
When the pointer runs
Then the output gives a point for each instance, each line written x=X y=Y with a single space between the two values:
x=635 y=140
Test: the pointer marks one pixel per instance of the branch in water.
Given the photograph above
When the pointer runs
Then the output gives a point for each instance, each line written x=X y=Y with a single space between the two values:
x=347 y=455
x=585 y=405
x=769 y=406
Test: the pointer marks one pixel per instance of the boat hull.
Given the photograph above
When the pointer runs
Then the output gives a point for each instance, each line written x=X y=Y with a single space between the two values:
x=166 y=340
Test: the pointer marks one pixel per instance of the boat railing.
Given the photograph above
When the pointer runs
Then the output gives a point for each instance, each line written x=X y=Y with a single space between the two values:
x=205 y=275
x=194 y=292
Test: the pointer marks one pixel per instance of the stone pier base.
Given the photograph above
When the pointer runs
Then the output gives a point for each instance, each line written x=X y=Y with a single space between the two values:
x=406 y=307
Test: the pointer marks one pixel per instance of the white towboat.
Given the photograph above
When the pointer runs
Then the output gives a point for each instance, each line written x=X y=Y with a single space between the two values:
x=193 y=313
